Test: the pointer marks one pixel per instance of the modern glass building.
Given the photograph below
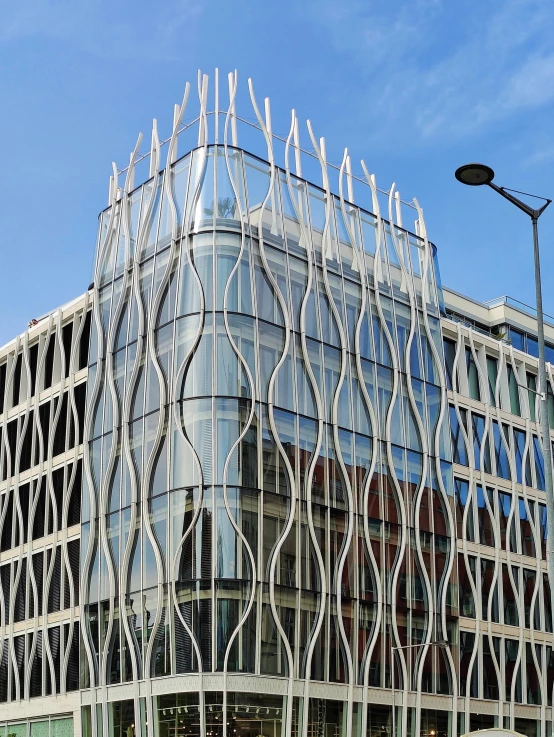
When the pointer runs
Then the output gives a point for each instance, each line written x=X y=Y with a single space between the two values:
x=268 y=477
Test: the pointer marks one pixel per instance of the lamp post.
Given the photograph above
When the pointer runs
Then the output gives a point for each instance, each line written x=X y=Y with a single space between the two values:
x=477 y=175
x=394 y=648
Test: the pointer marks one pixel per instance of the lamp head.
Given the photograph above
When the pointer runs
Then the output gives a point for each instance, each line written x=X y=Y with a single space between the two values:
x=474 y=174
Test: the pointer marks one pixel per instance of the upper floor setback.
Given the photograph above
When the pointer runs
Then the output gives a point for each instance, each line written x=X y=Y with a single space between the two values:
x=504 y=318
x=487 y=367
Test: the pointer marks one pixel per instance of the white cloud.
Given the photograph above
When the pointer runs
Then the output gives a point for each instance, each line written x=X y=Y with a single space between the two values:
x=532 y=85
x=446 y=69
x=541 y=155
x=123 y=29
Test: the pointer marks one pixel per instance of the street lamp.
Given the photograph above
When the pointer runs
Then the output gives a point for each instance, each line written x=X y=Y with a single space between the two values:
x=476 y=175
x=394 y=648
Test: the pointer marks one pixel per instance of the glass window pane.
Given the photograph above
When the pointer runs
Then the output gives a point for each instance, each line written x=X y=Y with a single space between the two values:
x=492 y=373
x=40 y=729
x=517 y=339
x=458 y=442
x=462 y=501
x=449 y=355
x=17 y=730
x=539 y=463
x=531 y=393
x=514 y=392
x=61 y=728
x=500 y=438
x=532 y=346
x=480 y=446
x=472 y=375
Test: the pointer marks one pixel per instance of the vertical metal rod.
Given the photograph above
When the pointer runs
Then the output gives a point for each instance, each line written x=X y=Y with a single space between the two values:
x=545 y=428
x=393 y=649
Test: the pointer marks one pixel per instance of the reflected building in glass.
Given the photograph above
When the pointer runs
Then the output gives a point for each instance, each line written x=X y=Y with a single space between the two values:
x=303 y=494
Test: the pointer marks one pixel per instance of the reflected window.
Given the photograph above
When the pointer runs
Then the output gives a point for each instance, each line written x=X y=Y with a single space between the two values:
x=449 y=356
x=472 y=375
x=492 y=375
x=481 y=448
x=509 y=590
x=532 y=395
x=512 y=670
x=489 y=593
x=507 y=536
x=513 y=389
x=527 y=522
x=466 y=575
x=458 y=442
x=485 y=501
x=463 y=508
x=517 y=339
x=468 y=678
x=501 y=436
x=523 y=477
x=539 y=463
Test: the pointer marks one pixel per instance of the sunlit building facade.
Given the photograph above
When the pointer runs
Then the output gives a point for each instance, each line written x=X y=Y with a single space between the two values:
x=299 y=489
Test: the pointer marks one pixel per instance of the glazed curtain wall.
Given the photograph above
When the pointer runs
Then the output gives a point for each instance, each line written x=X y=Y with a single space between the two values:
x=268 y=482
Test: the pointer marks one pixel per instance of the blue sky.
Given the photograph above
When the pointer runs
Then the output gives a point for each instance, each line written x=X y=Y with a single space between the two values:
x=415 y=87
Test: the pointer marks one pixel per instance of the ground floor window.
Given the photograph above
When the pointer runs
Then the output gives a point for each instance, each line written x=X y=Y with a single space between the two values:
x=61 y=726
x=190 y=714
x=527 y=727
x=481 y=721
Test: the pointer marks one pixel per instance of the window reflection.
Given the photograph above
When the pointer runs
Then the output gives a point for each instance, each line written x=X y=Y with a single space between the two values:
x=492 y=375
x=458 y=440
x=481 y=447
x=513 y=389
x=218 y=503
x=463 y=500
x=472 y=375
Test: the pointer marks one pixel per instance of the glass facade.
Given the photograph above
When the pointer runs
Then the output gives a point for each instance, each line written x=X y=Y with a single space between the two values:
x=268 y=483
x=256 y=482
